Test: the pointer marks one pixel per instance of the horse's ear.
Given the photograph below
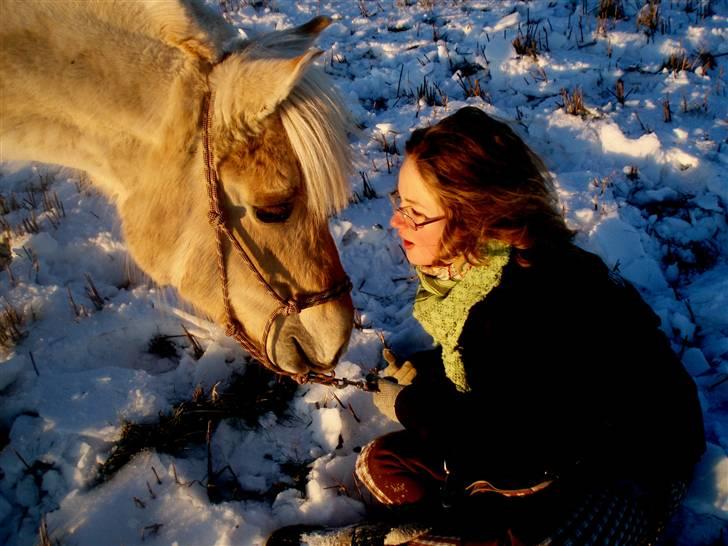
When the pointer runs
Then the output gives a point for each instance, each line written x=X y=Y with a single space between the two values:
x=247 y=90
x=293 y=41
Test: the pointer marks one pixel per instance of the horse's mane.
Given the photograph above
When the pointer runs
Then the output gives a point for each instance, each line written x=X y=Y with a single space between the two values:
x=316 y=123
x=313 y=115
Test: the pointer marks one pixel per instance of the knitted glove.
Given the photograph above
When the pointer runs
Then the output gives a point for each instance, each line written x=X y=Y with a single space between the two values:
x=402 y=372
x=386 y=396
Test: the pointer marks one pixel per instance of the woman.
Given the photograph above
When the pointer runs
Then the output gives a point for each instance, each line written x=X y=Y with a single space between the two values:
x=553 y=409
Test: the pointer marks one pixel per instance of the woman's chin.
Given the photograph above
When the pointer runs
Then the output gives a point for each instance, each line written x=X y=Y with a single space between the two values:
x=416 y=258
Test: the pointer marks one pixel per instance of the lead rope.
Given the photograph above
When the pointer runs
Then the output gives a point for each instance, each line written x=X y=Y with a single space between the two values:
x=233 y=328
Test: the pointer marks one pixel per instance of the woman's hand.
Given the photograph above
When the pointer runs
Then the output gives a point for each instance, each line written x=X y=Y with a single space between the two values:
x=402 y=372
x=392 y=380
x=385 y=398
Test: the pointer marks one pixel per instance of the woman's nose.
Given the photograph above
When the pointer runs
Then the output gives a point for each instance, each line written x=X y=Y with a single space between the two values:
x=396 y=221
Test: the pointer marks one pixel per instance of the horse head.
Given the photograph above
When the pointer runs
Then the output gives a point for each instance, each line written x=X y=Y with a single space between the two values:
x=279 y=157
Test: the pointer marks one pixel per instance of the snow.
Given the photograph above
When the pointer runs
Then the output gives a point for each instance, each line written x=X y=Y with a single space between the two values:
x=648 y=196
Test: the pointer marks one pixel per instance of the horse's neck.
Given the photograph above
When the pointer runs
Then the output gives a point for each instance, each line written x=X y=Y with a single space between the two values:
x=92 y=86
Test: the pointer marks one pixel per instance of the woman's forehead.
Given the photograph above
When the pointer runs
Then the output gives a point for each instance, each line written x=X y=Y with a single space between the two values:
x=413 y=191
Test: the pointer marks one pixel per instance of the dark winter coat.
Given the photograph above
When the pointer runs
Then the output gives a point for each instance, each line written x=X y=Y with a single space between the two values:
x=569 y=372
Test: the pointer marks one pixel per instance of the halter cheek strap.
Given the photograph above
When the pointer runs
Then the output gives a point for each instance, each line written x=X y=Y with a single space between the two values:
x=285 y=307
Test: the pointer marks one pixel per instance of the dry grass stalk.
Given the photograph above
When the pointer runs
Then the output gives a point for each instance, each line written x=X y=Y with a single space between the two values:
x=472 y=88
x=151 y=530
x=228 y=7
x=574 y=102
x=431 y=94
x=152 y=494
x=8 y=204
x=387 y=147
x=11 y=275
x=601 y=184
x=197 y=350
x=79 y=311
x=82 y=183
x=346 y=406
x=705 y=60
x=6 y=252
x=11 y=323
x=436 y=36
x=363 y=10
x=696 y=107
x=359 y=321
x=529 y=44
x=595 y=202
x=93 y=294
x=611 y=9
x=355 y=198
x=30 y=201
x=678 y=62
x=32 y=361
x=649 y=17
x=45 y=179
x=369 y=191
x=43 y=537
x=388 y=159
x=210 y=481
x=29 y=224
x=702 y=8
x=666 y=112
x=463 y=66
x=54 y=208
x=619 y=88
x=6 y=232
x=399 y=81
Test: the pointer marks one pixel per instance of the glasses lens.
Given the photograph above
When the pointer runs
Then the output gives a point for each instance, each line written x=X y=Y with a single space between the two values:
x=397 y=207
x=408 y=220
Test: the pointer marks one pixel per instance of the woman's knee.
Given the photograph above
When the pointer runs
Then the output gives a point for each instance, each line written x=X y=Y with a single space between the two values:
x=395 y=469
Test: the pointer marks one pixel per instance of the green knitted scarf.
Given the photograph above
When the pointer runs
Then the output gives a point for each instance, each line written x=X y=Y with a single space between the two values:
x=442 y=306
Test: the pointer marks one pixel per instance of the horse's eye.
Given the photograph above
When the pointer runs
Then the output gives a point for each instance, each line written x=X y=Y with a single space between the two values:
x=274 y=214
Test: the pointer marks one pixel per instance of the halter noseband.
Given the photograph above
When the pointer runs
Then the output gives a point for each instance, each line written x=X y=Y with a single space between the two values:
x=233 y=328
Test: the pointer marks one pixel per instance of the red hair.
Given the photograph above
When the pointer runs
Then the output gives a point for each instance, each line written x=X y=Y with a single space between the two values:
x=491 y=186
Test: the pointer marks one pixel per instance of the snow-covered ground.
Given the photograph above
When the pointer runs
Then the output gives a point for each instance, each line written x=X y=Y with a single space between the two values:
x=648 y=195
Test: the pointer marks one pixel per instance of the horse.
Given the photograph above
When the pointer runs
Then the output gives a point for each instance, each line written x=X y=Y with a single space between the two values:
x=225 y=157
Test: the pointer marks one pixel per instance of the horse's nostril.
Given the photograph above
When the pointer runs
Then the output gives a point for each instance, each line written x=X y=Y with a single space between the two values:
x=302 y=353
x=314 y=365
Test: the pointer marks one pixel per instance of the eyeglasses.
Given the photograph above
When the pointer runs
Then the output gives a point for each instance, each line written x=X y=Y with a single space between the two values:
x=412 y=220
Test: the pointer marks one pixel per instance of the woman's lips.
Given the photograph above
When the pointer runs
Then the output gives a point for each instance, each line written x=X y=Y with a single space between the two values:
x=407 y=244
